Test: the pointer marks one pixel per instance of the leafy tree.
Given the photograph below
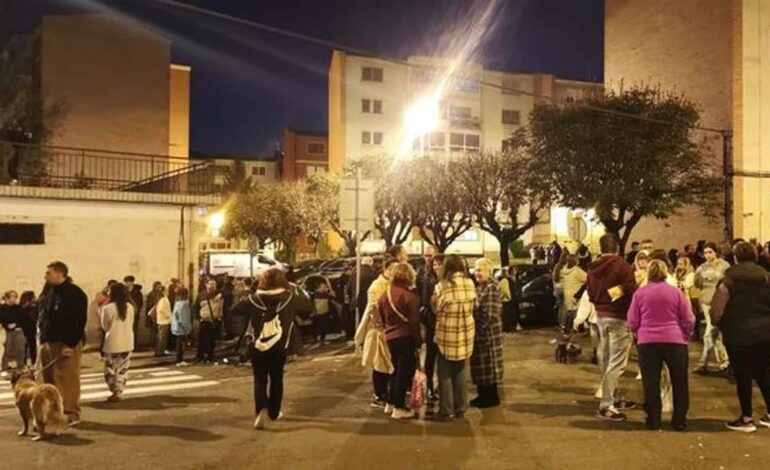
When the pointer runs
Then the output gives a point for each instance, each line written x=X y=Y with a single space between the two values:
x=501 y=193
x=436 y=201
x=624 y=167
x=236 y=179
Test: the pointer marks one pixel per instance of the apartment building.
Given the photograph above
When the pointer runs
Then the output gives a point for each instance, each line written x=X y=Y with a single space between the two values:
x=257 y=169
x=480 y=109
x=304 y=153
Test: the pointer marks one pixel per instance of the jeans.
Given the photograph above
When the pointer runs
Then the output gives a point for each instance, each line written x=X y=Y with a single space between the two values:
x=451 y=383
x=403 y=353
x=652 y=356
x=206 y=341
x=181 y=344
x=380 y=382
x=267 y=368
x=162 y=339
x=712 y=341
x=431 y=353
x=751 y=363
x=614 y=345
x=16 y=347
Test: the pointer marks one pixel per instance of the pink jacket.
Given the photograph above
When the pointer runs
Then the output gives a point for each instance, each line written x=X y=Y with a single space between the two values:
x=660 y=313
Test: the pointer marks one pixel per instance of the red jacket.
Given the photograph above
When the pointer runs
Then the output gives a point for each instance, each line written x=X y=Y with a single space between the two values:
x=408 y=305
x=605 y=273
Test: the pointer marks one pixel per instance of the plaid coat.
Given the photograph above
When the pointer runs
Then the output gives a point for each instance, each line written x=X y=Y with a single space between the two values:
x=487 y=358
x=455 y=329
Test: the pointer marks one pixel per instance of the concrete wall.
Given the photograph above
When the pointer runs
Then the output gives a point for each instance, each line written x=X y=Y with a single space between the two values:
x=179 y=111
x=684 y=45
x=99 y=241
x=112 y=77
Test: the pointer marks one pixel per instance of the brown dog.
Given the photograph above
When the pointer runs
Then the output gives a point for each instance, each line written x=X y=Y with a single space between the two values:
x=40 y=402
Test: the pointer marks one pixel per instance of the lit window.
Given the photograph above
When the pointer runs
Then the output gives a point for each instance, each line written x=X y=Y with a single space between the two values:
x=371 y=74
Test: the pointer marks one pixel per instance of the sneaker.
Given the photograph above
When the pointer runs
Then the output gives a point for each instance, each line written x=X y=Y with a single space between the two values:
x=403 y=414
x=741 y=425
x=182 y=364
x=459 y=414
x=701 y=370
x=377 y=403
x=519 y=328
x=280 y=416
x=115 y=397
x=259 y=423
x=764 y=421
x=432 y=398
x=611 y=414
x=599 y=394
x=73 y=422
x=388 y=409
x=625 y=405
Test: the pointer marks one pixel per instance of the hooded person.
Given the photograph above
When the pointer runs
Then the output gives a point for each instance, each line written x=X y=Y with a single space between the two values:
x=271 y=312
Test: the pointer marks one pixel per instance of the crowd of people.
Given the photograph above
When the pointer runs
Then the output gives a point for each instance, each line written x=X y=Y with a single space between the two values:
x=436 y=322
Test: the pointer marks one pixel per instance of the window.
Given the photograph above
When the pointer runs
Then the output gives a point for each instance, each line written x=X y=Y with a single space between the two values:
x=371 y=106
x=258 y=171
x=511 y=116
x=371 y=74
x=437 y=140
x=464 y=142
x=22 y=234
x=312 y=169
x=316 y=148
x=459 y=111
x=511 y=87
x=373 y=138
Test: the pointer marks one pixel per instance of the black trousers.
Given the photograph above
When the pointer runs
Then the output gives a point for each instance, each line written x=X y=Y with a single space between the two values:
x=321 y=325
x=206 y=340
x=431 y=354
x=509 y=321
x=181 y=343
x=652 y=356
x=268 y=380
x=751 y=364
x=380 y=381
x=402 y=351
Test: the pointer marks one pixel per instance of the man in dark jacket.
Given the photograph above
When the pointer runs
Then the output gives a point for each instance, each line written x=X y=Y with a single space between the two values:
x=741 y=310
x=136 y=298
x=62 y=324
x=611 y=284
x=368 y=275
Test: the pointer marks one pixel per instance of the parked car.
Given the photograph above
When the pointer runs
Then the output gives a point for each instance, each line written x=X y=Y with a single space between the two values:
x=534 y=291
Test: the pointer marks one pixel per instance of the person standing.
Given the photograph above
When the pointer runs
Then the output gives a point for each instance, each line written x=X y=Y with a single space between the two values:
x=62 y=323
x=181 y=323
x=137 y=300
x=12 y=318
x=487 y=357
x=453 y=302
x=685 y=279
x=631 y=255
x=707 y=276
x=661 y=319
x=271 y=312
x=429 y=282
x=400 y=310
x=368 y=275
x=584 y=257
x=572 y=280
x=162 y=322
x=208 y=311
x=29 y=323
x=117 y=320
x=741 y=309
x=611 y=284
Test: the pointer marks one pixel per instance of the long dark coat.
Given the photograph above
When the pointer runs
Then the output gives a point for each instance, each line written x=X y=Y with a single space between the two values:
x=487 y=358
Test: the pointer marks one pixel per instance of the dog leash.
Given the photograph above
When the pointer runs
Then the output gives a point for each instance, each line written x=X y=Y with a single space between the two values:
x=48 y=366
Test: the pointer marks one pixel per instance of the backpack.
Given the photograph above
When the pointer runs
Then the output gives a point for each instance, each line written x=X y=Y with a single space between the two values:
x=271 y=333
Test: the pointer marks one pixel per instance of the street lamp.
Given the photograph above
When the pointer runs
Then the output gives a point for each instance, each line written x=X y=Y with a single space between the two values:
x=421 y=118
x=215 y=222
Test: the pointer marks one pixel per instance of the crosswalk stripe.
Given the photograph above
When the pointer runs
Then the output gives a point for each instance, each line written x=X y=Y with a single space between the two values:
x=156 y=388
x=166 y=373
x=159 y=380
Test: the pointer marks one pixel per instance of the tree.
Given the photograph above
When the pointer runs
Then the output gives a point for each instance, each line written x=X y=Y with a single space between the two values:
x=436 y=201
x=501 y=194
x=392 y=213
x=624 y=167
x=324 y=190
x=236 y=179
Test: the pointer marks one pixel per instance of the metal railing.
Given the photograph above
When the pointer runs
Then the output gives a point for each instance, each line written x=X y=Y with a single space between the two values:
x=80 y=168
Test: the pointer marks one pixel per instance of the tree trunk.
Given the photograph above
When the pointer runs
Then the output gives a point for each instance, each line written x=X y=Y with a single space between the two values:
x=505 y=245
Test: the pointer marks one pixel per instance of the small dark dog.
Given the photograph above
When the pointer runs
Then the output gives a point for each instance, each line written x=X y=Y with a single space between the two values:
x=41 y=403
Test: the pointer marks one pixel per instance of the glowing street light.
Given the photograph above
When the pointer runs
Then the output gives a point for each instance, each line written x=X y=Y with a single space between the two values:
x=421 y=118
x=215 y=222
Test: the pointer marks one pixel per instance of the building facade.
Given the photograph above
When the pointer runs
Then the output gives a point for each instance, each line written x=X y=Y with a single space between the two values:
x=304 y=153
x=257 y=170
x=480 y=110
x=116 y=86
x=719 y=58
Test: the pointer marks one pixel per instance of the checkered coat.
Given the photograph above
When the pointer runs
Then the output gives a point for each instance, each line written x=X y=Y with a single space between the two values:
x=453 y=303
x=487 y=358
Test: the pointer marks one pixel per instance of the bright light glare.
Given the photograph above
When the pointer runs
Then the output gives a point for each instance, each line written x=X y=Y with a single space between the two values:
x=216 y=221
x=423 y=116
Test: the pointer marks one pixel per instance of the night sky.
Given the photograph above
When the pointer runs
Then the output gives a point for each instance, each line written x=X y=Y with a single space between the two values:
x=248 y=85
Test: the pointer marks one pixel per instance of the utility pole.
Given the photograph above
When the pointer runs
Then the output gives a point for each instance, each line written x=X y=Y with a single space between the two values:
x=728 y=172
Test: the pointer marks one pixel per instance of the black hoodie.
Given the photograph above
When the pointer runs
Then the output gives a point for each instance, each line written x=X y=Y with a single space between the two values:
x=263 y=306
x=746 y=317
x=63 y=316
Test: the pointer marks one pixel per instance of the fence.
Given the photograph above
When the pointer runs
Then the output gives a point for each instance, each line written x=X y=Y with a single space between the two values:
x=67 y=167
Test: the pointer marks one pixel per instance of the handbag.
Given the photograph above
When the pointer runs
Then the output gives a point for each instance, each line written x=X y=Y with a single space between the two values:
x=417 y=397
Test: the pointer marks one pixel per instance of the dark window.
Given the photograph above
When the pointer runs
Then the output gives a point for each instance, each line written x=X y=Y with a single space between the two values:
x=366 y=106
x=366 y=137
x=371 y=74
x=316 y=148
x=460 y=111
x=377 y=106
x=22 y=234
x=511 y=116
x=377 y=138
x=258 y=171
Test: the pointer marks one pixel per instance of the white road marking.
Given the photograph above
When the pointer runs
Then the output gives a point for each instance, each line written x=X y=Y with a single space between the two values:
x=156 y=388
x=166 y=373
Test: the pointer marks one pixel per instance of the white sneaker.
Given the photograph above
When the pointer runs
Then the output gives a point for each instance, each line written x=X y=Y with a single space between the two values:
x=280 y=416
x=389 y=409
x=639 y=376
x=403 y=414
x=182 y=364
x=259 y=423
x=599 y=394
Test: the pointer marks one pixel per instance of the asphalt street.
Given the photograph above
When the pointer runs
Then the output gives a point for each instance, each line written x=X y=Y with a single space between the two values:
x=201 y=418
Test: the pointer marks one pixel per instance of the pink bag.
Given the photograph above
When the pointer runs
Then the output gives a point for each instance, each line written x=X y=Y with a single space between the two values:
x=417 y=397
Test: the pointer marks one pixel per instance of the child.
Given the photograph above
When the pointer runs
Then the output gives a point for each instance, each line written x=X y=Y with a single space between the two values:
x=181 y=323
x=322 y=299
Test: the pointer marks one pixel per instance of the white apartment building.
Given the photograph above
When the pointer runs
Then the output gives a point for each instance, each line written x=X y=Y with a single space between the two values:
x=479 y=110
x=257 y=170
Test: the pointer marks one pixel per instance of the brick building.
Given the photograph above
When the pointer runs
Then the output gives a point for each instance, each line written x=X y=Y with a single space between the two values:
x=304 y=153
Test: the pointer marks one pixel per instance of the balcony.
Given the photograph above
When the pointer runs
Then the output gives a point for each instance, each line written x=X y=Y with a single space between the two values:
x=465 y=122
x=109 y=173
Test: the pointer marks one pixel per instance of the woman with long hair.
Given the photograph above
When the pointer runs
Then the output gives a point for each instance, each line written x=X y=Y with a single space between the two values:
x=29 y=325
x=117 y=321
x=453 y=302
